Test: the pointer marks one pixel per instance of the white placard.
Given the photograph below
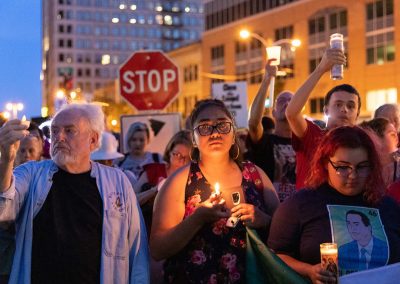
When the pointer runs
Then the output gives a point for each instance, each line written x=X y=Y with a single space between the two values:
x=234 y=95
x=162 y=127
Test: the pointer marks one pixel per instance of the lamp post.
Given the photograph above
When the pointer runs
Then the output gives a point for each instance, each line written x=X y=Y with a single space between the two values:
x=14 y=108
x=273 y=50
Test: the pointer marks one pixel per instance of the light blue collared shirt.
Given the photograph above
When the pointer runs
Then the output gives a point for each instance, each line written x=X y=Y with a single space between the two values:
x=124 y=255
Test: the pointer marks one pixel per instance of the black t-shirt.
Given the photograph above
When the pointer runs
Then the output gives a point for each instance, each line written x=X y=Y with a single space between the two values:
x=67 y=232
x=302 y=223
x=275 y=156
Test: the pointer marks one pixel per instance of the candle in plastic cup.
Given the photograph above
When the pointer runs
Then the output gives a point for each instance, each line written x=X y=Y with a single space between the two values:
x=329 y=257
x=25 y=122
x=274 y=52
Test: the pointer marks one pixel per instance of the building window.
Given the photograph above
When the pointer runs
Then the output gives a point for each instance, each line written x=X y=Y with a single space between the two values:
x=287 y=54
x=190 y=73
x=249 y=60
x=60 y=28
x=377 y=98
x=320 y=26
x=61 y=57
x=60 y=15
x=217 y=61
x=380 y=32
x=60 y=43
x=69 y=43
x=316 y=105
x=218 y=13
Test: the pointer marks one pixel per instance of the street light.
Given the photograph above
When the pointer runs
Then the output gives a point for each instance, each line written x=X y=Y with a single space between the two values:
x=273 y=50
x=14 y=108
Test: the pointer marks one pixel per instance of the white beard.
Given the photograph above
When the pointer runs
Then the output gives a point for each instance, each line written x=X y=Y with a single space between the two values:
x=62 y=159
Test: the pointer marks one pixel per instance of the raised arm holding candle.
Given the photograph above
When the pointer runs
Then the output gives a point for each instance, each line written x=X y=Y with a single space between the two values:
x=192 y=209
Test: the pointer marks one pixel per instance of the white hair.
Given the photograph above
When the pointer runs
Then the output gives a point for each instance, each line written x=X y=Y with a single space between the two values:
x=93 y=113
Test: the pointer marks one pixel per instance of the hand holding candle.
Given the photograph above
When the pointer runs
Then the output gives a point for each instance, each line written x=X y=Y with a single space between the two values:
x=25 y=122
x=329 y=257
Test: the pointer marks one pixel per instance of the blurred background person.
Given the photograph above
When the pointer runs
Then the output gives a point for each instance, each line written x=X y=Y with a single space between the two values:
x=137 y=138
x=46 y=144
x=30 y=149
x=345 y=171
x=387 y=139
x=391 y=112
x=189 y=221
x=176 y=155
x=273 y=152
x=107 y=152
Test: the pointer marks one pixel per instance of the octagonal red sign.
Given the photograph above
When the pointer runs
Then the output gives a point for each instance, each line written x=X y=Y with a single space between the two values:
x=149 y=80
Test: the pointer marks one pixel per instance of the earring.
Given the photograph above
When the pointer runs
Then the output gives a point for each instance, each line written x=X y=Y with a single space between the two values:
x=237 y=152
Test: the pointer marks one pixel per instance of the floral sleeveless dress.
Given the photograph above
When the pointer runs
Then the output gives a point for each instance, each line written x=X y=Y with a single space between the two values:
x=217 y=254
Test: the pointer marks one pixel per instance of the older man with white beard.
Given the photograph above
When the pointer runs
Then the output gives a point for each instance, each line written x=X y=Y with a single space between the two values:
x=77 y=221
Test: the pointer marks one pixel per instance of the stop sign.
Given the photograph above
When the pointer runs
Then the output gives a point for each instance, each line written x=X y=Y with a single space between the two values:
x=149 y=80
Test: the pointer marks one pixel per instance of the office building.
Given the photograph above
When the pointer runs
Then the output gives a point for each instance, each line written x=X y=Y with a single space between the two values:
x=85 y=41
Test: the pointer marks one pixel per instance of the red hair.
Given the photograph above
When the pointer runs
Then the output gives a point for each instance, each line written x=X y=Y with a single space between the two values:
x=347 y=137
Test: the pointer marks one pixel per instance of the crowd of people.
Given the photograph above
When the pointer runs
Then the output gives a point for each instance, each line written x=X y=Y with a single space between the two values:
x=75 y=210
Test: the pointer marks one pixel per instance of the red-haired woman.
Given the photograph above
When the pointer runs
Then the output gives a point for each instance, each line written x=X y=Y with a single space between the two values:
x=344 y=203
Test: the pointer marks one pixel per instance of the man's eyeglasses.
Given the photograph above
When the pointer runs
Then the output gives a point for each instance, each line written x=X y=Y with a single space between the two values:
x=345 y=171
x=223 y=127
x=180 y=157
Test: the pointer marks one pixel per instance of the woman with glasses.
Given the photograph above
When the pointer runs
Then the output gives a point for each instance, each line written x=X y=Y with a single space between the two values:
x=343 y=203
x=191 y=228
x=176 y=155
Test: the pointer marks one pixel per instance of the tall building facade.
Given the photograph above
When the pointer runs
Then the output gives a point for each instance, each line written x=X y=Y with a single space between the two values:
x=371 y=30
x=85 y=41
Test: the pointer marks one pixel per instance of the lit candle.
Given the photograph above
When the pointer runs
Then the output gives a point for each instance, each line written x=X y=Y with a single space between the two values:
x=216 y=189
x=24 y=121
x=329 y=257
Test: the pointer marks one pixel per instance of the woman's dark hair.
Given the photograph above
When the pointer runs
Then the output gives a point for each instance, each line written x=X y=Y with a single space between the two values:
x=234 y=152
x=347 y=137
x=182 y=137
x=378 y=125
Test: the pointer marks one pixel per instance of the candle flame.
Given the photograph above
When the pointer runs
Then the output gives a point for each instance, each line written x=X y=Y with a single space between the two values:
x=216 y=188
x=25 y=122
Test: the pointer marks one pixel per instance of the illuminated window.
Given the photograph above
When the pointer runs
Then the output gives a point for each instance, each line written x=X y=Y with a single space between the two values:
x=320 y=26
x=376 y=98
x=380 y=32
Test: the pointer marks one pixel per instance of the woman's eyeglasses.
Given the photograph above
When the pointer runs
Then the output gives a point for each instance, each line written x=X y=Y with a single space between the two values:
x=179 y=156
x=345 y=171
x=223 y=127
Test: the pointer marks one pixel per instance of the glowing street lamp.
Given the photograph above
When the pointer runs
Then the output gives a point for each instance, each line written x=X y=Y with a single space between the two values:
x=14 y=108
x=273 y=51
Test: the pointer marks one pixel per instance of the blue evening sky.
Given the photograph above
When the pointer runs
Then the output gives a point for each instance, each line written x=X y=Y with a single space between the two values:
x=20 y=49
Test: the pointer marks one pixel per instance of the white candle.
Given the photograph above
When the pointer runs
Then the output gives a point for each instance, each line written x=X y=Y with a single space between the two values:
x=216 y=188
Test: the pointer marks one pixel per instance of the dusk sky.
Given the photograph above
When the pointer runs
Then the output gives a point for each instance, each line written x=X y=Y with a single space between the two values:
x=20 y=43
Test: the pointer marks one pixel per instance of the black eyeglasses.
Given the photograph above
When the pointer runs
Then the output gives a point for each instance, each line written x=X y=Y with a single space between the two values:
x=223 y=127
x=345 y=171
